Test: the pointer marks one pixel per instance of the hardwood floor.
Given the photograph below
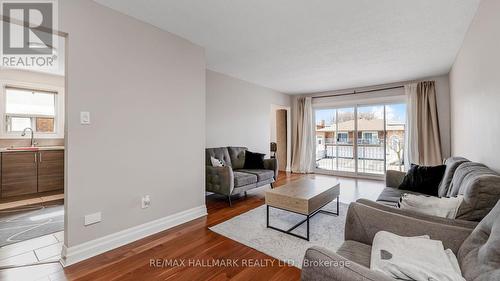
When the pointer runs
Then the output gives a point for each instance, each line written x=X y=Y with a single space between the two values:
x=189 y=242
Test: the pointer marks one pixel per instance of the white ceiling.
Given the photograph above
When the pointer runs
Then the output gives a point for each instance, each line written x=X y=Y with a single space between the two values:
x=304 y=46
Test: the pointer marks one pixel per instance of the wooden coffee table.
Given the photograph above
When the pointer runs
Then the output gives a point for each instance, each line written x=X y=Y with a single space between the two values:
x=306 y=197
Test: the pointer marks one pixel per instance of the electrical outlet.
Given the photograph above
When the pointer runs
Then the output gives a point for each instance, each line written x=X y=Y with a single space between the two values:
x=92 y=218
x=145 y=202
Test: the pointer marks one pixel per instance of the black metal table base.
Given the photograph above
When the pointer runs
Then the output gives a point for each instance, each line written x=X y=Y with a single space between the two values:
x=306 y=220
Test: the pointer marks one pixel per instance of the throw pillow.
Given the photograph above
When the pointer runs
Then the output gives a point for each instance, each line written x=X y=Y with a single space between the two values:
x=441 y=207
x=216 y=162
x=423 y=179
x=254 y=160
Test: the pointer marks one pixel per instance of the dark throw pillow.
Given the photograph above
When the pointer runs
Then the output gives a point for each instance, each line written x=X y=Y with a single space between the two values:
x=254 y=160
x=423 y=179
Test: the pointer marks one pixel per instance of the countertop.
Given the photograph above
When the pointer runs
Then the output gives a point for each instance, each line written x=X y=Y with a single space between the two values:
x=38 y=148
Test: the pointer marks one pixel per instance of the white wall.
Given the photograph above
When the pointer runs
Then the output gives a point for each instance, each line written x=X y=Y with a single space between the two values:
x=239 y=112
x=145 y=91
x=475 y=90
x=443 y=102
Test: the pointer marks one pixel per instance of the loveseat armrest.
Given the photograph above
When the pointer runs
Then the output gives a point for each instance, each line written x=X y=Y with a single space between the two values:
x=272 y=164
x=219 y=180
x=363 y=222
x=321 y=265
x=394 y=178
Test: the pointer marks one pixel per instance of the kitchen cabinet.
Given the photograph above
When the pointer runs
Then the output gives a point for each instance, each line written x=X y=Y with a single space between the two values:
x=19 y=173
x=31 y=172
x=50 y=170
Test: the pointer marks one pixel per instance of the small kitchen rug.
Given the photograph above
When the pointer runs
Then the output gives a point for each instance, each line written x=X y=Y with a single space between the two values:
x=250 y=229
x=29 y=222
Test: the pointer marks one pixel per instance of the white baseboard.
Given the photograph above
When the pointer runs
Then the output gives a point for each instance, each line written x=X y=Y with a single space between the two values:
x=98 y=246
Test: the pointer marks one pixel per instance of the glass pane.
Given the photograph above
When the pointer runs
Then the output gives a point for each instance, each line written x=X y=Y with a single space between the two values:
x=325 y=133
x=344 y=145
x=371 y=144
x=18 y=124
x=396 y=123
x=29 y=102
x=45 y=125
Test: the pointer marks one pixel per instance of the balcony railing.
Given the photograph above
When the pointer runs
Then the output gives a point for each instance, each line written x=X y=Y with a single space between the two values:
x=370 y=158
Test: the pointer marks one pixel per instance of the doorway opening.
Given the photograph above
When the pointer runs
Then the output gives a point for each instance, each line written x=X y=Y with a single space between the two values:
x=281 y=136
x=32 y=161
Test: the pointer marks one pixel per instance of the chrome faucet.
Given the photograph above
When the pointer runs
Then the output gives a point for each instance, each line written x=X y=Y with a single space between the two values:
x=32 y=136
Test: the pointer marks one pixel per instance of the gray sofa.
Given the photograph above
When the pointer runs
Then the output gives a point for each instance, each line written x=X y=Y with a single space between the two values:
x=479 y=185
x=233 y=178
x=477 y=246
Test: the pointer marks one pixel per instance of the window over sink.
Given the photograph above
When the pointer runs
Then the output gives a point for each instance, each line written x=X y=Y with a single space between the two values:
x=31 y=108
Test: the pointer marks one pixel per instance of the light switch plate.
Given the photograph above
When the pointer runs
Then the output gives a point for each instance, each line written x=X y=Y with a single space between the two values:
x=85 y=118
x=92 y=218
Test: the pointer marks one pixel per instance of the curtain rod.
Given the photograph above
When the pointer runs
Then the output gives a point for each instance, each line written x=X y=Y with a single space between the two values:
x=22 y=88
x=358 y=92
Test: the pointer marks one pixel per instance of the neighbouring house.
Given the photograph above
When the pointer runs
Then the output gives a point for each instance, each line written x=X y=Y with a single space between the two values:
x=372 y=133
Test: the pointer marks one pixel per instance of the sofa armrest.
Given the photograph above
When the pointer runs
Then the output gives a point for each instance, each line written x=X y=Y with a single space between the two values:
x=394 y=178
x=321 y=265
x=272 y=164
x=219 y=180
x=363 y=222
x=382 y=207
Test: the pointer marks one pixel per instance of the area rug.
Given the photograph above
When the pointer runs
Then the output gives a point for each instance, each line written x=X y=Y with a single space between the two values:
x=250 y=229
x=29 y=222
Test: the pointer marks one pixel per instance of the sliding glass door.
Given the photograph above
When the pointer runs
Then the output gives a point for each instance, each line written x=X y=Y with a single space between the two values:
x=395 y=125
x=371 y=139
x=360 y=139
x=334 y=140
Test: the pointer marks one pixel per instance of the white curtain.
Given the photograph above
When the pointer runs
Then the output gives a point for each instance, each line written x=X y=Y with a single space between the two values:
x=411 y=139
x=423 y=140
x=303 y=139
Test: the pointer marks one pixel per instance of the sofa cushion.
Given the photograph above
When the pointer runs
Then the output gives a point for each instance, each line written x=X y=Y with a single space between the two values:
x=479 y=255
x=262 y=175
x=452 y=164
x=241 y=179
x=220 y=153
x=480 y=187
x=462 y=172
x=237 y=155
x=390 y=196
x=357 y=252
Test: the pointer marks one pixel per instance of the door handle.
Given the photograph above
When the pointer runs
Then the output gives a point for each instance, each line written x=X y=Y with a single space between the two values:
x=35 y=157
x=40 y=156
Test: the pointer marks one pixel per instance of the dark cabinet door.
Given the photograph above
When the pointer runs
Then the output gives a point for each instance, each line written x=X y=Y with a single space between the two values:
x=19 y=173
x=50 y=170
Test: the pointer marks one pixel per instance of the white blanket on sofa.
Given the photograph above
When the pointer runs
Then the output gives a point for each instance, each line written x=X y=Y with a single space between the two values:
x=441 y=207
x=413 y=258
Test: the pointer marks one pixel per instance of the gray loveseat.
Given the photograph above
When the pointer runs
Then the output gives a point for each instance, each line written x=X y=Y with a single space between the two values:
x=479 y=185
x=477 y=246
x=233 y=178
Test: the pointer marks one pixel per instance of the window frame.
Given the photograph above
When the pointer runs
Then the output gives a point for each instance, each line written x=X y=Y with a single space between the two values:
x=342 y=102
x=58 y=111
x=372 y=133
x=346 y=138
